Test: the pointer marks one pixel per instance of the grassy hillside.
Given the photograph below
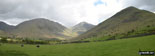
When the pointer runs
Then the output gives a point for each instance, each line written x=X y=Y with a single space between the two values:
x=39 y=28
x=130 y=34
x=69 y=32
x=35 y=29
x=127 y=20
x=122 y=47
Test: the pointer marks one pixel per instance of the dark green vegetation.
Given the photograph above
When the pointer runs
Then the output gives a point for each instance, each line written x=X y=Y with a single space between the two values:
x=121 y=47
x=130 y=22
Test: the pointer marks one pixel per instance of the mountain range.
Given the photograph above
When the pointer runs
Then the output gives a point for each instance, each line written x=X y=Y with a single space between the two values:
x=39 y=28
x=123 y=22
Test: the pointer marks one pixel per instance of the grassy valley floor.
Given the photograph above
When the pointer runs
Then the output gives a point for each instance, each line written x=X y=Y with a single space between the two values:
x=121 y=47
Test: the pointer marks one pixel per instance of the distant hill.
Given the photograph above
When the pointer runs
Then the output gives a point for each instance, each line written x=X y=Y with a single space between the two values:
x=39 y=28
x=128 y=20
x=82 y=27
x=5 y=27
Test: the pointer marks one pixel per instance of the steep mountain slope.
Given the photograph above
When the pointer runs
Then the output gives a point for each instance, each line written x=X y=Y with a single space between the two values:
x=5 y=27
x=82 y=27
x=124 y=21
x=2 y=33
x=39 y=28
x=69 y=32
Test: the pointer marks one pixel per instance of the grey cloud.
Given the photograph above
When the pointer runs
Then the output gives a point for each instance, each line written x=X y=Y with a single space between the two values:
x=28 y=9
x=16 y=11
x=7 y=6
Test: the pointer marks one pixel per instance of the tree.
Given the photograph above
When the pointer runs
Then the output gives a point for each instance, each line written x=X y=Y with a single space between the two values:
x=4 y=40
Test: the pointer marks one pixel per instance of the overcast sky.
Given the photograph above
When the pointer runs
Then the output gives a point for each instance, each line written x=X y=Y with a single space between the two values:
x=67 y=12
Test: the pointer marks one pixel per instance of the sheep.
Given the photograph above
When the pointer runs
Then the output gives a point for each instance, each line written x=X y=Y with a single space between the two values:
x=38 y=46
x=22 y=45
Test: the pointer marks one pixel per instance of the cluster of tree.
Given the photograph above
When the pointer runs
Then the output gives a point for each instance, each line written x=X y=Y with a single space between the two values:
x=5 y=39
x=29 y=41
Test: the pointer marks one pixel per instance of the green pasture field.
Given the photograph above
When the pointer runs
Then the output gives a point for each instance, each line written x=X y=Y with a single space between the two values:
x=120 y=47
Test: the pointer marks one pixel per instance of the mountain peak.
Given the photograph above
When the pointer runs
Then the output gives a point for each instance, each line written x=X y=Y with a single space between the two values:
x=82 y=27
x=5 y=27
x=82 y=23
x=2 y=22
x=40 y=19
x=131 y=7
x=127 y=10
